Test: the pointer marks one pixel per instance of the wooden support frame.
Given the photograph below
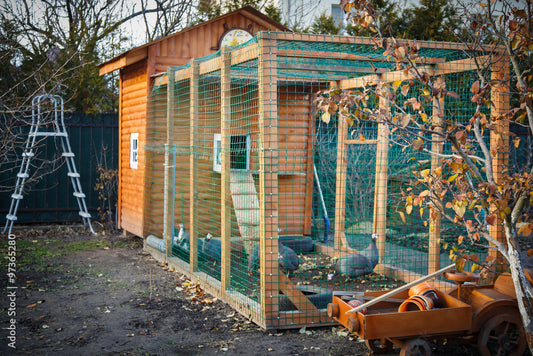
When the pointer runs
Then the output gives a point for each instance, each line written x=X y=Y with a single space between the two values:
x=340 y=190
x=272 y=281
x=436 y=161
x=461 y=65
x=193 y=164
x=381 y=179
x=268 y=178
x=499 y=144
x=225 y=193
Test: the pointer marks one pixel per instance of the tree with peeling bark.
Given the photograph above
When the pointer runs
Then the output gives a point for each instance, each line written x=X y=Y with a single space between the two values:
x=471 y=186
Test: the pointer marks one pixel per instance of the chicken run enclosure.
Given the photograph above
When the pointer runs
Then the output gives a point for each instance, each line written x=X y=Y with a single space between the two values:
x=270 y=197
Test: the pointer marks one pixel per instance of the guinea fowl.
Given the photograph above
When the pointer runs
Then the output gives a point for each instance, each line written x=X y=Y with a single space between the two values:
x=287 y=258
x=298 y=244
x=359 y=264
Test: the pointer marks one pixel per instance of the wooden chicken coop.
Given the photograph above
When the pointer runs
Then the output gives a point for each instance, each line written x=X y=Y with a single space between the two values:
x=137 y=68
x=234 y=150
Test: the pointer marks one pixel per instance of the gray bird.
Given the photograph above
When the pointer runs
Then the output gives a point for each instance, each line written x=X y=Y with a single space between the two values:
x=298 y=244
x=359 y=264
x=287 y=258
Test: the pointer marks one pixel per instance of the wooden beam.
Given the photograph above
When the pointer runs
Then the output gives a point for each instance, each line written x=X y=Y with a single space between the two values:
x=225 y=193
x=127 y=59
x=268 y=179
x=340 y=186
x=309 y=174
x=292 y=320
x=458 y=66
x=245 y=54
x=120 y=171
x=347 y=56
x=360 y=142
x=329 y=68
x=436 y=162
x=295 y=295
x=381 y=179
x=210 y=65
x=499 y=145
x=357 y=40
x=193 y=163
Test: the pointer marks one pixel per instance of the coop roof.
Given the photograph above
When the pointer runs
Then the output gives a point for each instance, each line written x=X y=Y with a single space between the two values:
x=139 y=53
x=303 y=58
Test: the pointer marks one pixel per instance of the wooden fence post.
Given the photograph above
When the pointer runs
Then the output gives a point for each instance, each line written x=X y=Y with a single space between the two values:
x=268 y=177
x=225 y=195
x=193 y=163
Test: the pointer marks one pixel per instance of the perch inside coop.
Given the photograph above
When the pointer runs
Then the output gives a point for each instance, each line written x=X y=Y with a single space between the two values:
x=233 y=143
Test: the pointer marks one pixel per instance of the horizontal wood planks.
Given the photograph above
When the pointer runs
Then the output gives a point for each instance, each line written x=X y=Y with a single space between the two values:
x=133 y=116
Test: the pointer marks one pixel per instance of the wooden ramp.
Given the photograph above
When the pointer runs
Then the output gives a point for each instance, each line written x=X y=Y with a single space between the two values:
x=246 y=205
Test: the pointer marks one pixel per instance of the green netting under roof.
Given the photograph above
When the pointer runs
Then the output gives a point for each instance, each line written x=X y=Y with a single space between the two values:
x=275 y=140
x=370 y=50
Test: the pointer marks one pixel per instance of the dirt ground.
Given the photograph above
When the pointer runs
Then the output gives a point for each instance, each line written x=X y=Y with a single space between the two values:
x=98 y=295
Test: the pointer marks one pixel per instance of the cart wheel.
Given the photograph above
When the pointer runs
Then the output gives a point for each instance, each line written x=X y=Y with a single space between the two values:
x=502 y=335
x=379 y=346
x=415 y=347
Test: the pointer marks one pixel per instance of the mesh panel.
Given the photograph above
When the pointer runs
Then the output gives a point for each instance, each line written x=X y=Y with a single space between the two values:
x=280 y=206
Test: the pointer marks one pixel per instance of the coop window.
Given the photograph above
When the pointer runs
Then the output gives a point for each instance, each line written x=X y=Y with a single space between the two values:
x=239 y=152
x=134 y=150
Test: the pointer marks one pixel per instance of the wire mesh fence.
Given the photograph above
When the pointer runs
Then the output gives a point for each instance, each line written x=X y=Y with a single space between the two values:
x=270 y=206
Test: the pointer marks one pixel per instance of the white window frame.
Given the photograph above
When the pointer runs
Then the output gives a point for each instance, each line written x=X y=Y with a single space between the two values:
x=217 y=153
x=134 y=150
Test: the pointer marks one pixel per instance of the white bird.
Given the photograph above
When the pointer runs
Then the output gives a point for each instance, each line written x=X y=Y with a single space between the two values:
x=210 y=247
x=359 y=264
x=183 y=239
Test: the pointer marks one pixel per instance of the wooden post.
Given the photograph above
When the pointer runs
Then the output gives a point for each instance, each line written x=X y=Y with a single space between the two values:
x=340 y=190
x=499 y=144
x=120 y=139
x=381 y=179
x=309 y=174
x=225 y=194
x=436 y=161
x=268 y=177
x=193 y=163
x=168 y=198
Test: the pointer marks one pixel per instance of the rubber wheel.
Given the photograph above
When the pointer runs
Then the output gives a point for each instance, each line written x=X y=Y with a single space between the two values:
x=379 y=346
x=415 y=347
x=502 y=335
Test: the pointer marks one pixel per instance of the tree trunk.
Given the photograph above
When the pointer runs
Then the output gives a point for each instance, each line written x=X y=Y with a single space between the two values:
x=523 y=297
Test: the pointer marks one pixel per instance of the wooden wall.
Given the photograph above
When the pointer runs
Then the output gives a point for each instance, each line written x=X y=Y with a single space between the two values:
x=295 y=143
x=133 y=100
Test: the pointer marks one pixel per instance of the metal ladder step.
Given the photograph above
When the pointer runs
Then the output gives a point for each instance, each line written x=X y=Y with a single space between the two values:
x=85 y=215
x=11 y=217
x=22 y=175
x=79 y=195
x=16 y=196
x=27 y=154
x=73 y=175
x=53 y=134
x=68 y=154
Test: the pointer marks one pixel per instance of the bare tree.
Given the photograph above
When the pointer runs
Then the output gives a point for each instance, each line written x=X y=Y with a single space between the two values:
x=469 y=188
x=55 y=32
